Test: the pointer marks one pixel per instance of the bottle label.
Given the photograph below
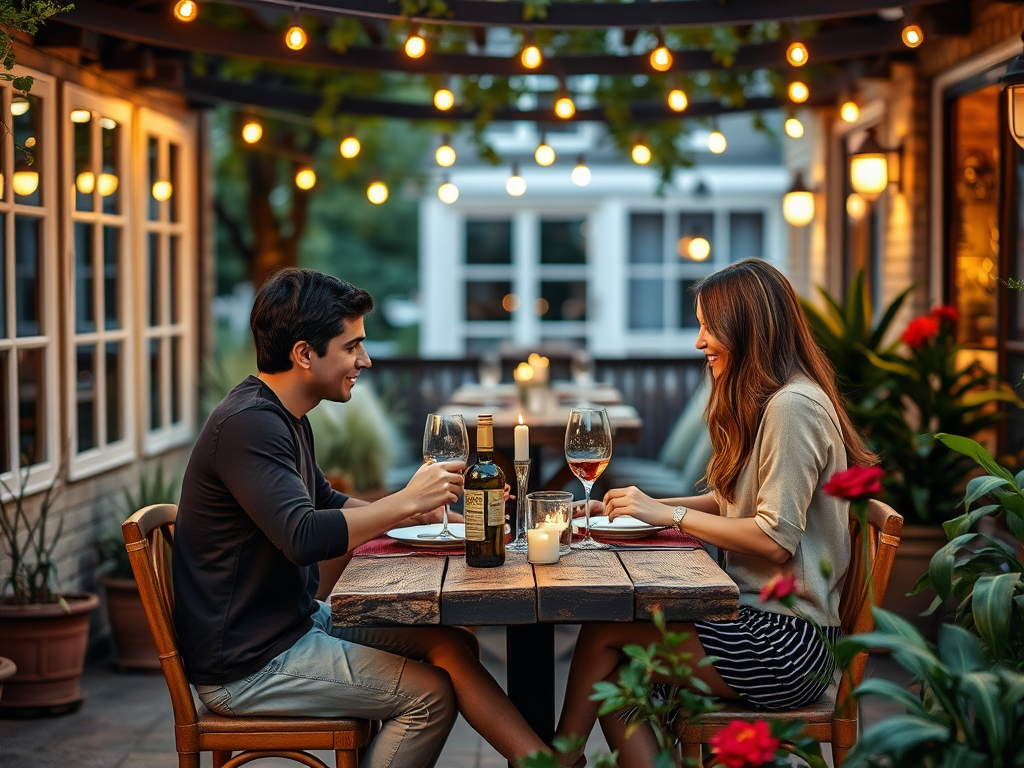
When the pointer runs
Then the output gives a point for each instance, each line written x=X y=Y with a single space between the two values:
x=496 y=508
x=475 y=519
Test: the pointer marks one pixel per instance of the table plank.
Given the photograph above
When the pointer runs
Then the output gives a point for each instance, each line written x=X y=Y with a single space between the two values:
x=584 y=586
x=687 y=585
x=489 y=596
x=389 y=591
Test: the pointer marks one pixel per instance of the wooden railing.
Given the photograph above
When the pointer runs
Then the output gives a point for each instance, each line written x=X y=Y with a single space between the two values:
x=657 y=387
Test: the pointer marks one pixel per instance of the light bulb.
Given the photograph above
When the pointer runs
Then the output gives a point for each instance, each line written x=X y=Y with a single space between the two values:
x=444 y=99
x=85 y=182
x=544 y=155
x=252 y=132
x=81 y=116
x=699 y=248
x=19 y=106
x=677 y=100
x=565 y=108
x=580 y=174
x=25 y=182
x=377 y=192
x=350 y=147
x=849 y=112
x=516 y=184
x=531 y=57
x=448 y=193
x=445 y=156
x=798 y=92
x=661 y=58
x=186 y=10
x=798 y=207
x=162 y=190
x=796 y=54
x=794 y=128
x=913 y=36
x=640 y=153
x=869 y=174
x=107 y=123
x=717 y=142
x=415 y=47
x=856 y=206
x=305 y=178
x=295 y=38
x=106 y=185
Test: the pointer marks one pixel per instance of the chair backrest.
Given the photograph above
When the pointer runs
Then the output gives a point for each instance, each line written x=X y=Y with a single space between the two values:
x=148 y=537
x=687 y=430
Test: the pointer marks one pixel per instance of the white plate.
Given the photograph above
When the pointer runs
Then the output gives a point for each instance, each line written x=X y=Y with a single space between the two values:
x=623 y=527
x=411 y=535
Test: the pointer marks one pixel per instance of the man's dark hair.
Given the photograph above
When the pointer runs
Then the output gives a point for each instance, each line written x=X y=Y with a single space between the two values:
x=301 y=305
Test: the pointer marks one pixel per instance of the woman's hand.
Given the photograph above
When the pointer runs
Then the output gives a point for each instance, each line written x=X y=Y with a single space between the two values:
x=635 y=503
x=596 y=508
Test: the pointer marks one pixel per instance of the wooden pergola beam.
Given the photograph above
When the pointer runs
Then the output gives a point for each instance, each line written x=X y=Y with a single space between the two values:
x=832 y=46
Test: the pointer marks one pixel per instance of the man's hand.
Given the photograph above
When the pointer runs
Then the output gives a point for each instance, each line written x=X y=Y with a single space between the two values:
x=433 y=516
x=434 y=485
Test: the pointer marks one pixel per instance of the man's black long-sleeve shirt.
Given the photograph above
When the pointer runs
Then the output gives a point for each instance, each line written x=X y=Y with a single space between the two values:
x=256 y=516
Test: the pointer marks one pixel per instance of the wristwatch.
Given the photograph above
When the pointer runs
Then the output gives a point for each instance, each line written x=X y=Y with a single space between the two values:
x=677 y=517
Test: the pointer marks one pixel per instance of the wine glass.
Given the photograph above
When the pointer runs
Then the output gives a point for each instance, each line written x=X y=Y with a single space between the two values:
x=588 y=449
x=444 y=439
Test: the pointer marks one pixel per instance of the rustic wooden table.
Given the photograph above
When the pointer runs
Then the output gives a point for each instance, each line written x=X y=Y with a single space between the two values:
x=599 y=585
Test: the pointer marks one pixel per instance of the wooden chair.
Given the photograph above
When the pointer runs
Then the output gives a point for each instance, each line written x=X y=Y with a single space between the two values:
x=834 y=717
x=148 y=536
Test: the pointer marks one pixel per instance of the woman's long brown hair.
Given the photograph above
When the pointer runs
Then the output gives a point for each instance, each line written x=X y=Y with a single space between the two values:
x=752 y=311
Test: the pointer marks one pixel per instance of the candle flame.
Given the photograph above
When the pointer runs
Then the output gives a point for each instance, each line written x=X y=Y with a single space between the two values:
x=521 y=419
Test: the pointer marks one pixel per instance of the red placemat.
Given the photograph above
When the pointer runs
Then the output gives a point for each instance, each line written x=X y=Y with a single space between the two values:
x=669 y=538
x=385 y=546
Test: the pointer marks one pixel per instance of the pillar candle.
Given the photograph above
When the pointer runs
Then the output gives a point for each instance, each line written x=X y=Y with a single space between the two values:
x=541 y=545
x=522 y=441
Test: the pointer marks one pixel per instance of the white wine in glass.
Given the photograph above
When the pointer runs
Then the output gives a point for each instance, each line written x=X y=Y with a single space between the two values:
x=588 y=449
x=444 y=439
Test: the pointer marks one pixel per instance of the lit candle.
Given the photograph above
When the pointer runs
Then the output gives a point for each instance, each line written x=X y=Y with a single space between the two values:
x=522 y=441
x=542 y=545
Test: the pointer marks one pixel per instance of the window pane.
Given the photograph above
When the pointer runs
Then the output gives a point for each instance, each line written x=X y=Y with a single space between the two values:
x=746 y=236
x=172 y=177
x=154 y=384
x=85 y=173
x=85 y=304
x=175 y=376
x=691 y=227
x=3 y=278
x=173 y=243
x=488 y=242
x=646 y=238
x=489 y=300
x=28 y=278
x=28 y=152
x=563 y=242
x=32 y=446
x=153 y=154
x=114 y=399
x=5 y=399
x=111 y=250
x=562 y=300
x=85 y=396
x=154 y=279
x=646 y=304
x=687 y=305
x=112 y=178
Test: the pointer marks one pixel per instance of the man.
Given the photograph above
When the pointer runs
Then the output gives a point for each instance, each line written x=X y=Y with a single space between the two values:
x=256 y=518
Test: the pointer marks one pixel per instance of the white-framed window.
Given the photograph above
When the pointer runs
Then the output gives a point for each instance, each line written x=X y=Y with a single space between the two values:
x=29 y=428
x=166 y=243
x=100 y=398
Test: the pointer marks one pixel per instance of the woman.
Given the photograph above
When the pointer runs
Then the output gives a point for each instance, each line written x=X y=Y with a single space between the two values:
x=779 y=431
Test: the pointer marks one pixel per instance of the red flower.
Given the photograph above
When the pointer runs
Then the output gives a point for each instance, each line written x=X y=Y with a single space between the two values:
x=920 y=331
x=742 y=744
x=778 y=587
x=855 y=483
x=946 y=314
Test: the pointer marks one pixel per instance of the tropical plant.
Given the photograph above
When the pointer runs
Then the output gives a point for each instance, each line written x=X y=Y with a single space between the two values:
x=31 y=575
x=155 y=489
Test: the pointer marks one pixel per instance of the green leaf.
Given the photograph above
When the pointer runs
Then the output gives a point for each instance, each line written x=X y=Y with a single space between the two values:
x=976 y=451
x=959 y=649
x=958 y=526
x=895 y=735
x=982 y=486
x=664 y=760
x=23 y=84
x=992 y=607
x=887 y=689
x=941 y=567
x=962 y=756
x=538 y=760
x=983 y=690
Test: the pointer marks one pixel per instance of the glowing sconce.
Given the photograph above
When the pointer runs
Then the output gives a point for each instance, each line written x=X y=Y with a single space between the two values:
x=798 y=204
x=1014 y=82
x=856 y=206
x=873 y=168
x=81 y=116
x=19 y=106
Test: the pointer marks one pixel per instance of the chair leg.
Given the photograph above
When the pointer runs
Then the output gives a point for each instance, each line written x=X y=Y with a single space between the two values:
x=839 y=755
x=188 y=760
x=220 y=757
x=691 y=753
x=347 y=758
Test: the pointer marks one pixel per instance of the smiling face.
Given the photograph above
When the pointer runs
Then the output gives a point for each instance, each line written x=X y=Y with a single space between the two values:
x=335 y=373
x=715 y=353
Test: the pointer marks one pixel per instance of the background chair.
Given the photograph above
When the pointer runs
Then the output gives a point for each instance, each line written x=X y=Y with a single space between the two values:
x=148 y=536
x=834 y=717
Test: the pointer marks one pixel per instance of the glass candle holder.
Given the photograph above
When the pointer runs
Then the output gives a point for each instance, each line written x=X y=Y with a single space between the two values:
x=551 y=511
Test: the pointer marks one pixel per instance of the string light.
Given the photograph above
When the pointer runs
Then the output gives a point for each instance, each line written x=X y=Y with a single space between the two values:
x=641 y=153
x=81 y=116
x=565 y=107
x=296 y=38
x=444 y=99
x=661 y=57
x=349 y=147
x=856 y=206
x=186 y=10
x=19 y=106
x=447 y=193
x=106 y=185
x=531 y=55
x=850 y=112
x=698 y=248
x=162 y=190
x=798 y=92
x=415 y=46
x=305 y=179
x=796 y=54
x=516 y=184
x=716 y=141
x=793 y=127
x=544 y=155
x=377 y=192
x=912 y=35
x=580 y=174
x=445 y=154
x=25 y=182
x=85 y=182
x=252 y=132
x=677 y=100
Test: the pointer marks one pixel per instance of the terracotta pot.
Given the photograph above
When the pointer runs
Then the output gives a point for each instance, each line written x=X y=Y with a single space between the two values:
x=7 y=668
x=133 y=641
x=48 y=646
x=917 y=545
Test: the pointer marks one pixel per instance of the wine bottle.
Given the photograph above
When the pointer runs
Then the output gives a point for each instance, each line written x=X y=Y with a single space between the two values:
x=485 y=502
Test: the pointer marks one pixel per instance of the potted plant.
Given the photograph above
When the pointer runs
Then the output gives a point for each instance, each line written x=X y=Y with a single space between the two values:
x=43 y=631
x=133 y=642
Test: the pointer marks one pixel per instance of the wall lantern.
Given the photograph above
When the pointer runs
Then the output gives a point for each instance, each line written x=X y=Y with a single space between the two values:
x=873 y=167
x=1014 y=82
x=798 y=203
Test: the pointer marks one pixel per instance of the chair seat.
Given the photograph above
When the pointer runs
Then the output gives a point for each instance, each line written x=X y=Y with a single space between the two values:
x=821 y=711
x=212 y=723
